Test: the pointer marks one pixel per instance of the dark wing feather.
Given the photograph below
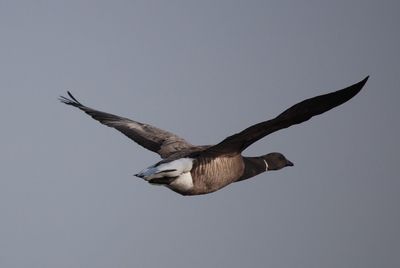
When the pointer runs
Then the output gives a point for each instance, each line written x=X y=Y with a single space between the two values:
x=294 y=115
x=154 y=139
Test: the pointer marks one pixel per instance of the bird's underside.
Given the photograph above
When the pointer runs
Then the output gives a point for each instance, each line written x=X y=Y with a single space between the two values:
x=213 y=166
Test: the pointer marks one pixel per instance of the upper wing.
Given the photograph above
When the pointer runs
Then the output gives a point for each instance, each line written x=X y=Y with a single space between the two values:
x=294 y=115
x=154 y=139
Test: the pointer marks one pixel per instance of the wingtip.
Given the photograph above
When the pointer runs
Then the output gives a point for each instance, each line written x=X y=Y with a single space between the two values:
x=362 y=82
x=72 y=101
x=72 y=97
x=355 y=88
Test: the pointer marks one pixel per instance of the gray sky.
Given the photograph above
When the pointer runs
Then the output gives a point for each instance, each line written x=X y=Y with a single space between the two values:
x=204 y=70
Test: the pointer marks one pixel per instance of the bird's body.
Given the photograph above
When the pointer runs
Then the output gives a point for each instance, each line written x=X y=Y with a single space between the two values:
x=194 y=176
x=194 y=170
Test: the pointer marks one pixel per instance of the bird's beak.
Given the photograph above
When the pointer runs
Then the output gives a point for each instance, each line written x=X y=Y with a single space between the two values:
x=289 y=164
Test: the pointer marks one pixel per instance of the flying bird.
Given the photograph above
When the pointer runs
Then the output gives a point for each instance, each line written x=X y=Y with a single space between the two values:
x=194 y=170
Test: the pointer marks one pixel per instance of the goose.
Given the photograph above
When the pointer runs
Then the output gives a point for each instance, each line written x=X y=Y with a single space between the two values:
x=195 y=170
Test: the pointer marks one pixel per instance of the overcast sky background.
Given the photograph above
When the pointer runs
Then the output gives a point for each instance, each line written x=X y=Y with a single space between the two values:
x=203 y=70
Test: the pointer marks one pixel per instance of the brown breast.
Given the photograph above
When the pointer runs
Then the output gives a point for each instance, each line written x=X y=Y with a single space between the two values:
x=211 y=174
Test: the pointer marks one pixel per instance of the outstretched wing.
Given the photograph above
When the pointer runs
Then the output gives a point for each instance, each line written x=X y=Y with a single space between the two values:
x=294 y=115
x=154 y=139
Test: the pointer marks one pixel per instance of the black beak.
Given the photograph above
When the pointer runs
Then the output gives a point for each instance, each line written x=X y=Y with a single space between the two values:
x=289 y=164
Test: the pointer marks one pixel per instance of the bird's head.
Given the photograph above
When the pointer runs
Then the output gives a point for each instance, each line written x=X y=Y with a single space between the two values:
x=276 y=161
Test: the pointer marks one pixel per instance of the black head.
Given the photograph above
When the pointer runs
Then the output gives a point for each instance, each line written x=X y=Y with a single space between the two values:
x=276 y=161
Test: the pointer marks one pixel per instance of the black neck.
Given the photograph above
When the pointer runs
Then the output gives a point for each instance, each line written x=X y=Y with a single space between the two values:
x=252 y=167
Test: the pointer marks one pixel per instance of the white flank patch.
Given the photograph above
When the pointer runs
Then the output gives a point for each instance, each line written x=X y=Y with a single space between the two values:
x=266 y=164
x=183 y=183
x=171 y=169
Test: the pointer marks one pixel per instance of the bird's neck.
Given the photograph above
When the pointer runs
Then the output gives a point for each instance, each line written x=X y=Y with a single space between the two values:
x=252 y=167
